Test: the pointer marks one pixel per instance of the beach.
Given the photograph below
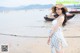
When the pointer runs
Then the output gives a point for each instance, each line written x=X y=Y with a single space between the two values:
x=27 y=32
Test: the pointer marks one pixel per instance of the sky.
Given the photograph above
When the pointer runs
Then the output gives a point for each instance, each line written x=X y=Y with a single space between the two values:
x=15 y=3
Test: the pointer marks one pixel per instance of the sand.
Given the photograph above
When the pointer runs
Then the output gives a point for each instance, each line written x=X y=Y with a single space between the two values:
x=39 y=45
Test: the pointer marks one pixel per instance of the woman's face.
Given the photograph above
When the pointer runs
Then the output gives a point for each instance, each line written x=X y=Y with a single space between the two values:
x=58 y=11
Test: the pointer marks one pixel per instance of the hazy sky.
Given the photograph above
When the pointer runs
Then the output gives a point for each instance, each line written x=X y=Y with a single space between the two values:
x=14 y=3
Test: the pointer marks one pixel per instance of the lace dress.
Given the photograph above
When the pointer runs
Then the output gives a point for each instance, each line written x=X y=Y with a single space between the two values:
x=58 y=39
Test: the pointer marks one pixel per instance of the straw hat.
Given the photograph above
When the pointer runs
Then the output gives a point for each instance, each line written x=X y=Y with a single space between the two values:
x=58 y=6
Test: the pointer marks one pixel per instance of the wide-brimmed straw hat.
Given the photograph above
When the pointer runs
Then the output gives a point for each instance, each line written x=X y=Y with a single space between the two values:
x=58 y=6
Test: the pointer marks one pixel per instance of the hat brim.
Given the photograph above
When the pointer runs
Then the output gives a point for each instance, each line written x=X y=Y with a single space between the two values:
x=59 y=6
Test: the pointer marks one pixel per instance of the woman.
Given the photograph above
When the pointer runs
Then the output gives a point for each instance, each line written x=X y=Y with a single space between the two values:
x=56 y=35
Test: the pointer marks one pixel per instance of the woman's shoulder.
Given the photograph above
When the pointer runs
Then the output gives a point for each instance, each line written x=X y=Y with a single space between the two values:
x=61 y=17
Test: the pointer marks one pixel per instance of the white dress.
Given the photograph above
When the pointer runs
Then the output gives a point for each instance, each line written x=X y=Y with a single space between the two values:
x=57 y=39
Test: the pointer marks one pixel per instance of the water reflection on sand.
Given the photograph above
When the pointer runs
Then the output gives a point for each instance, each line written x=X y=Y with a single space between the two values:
x=24 y=22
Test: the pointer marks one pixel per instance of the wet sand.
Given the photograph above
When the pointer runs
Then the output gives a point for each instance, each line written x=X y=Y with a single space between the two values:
x=36 y=45
x=19 y=44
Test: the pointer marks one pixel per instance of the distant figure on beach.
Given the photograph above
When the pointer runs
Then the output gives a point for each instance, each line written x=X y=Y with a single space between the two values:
x=56 y=38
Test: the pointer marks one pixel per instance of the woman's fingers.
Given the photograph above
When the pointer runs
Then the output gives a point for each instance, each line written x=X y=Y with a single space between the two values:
x=48 y=42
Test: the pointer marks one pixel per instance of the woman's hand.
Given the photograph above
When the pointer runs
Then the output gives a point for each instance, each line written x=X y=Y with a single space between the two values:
x=51 y=15
x=48 y=42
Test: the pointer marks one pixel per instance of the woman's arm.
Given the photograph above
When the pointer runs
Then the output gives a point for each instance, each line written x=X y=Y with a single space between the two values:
x=51 y=15
x=55 y=27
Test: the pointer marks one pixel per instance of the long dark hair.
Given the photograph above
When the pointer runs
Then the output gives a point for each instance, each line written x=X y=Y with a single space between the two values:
x=63 y=12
